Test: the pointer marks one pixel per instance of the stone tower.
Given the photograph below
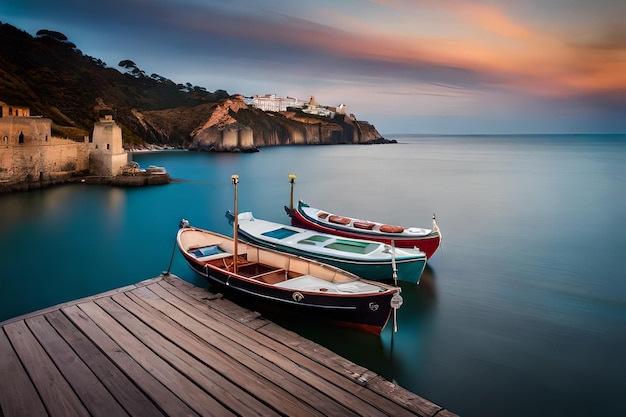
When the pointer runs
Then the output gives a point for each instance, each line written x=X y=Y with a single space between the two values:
x=107 y=155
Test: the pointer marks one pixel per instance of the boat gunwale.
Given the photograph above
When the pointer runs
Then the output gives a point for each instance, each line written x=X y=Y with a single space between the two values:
x=377 y=255
x=384 y=288
x=375 y=231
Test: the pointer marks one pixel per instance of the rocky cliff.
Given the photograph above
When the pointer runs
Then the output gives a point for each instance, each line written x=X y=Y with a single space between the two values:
x=232 y=125
x=52 y=77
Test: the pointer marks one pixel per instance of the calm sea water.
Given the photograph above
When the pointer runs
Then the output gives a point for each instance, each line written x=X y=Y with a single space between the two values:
x=522 y=312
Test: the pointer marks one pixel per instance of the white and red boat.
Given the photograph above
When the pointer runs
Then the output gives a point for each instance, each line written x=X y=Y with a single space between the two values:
x=426 y=240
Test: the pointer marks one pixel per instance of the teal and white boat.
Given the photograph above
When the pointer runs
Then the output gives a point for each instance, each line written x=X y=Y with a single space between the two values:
x=367 y=259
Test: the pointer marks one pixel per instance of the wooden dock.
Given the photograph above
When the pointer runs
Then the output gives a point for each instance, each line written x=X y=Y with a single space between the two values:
x=164 y=347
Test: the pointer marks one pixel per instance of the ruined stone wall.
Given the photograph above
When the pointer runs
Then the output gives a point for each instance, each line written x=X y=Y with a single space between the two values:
x=29 y=154
x=43 y=162
x=11 y=110
x=28 y=130
x=65 y=156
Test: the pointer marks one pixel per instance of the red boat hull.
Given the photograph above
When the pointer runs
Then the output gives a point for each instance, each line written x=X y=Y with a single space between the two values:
x=427 y=244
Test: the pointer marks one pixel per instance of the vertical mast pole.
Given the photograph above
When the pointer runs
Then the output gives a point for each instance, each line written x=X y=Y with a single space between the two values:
x=292 y=179
x=235 y=179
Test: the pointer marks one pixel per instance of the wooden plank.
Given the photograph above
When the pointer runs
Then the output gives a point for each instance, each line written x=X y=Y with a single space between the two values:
x=154 y=389
x=232 y=310
x=363 y=396
x=326 y=357
x=300 y=367
x=363 y=376
x=318 y=353
x=166 y=347
x=18 y=396
x=256 y=385
x=182 y=387
x=135 y=402
x=294 y=395
x=193 y=290
x=332 y=361
x=218 y=387
x=406 y=398
x=94 y=396
x=80 y=300
x=259 y=385
x=57 y=395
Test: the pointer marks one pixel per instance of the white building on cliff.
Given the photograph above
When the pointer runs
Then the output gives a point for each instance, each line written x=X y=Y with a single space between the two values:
x=270 y=102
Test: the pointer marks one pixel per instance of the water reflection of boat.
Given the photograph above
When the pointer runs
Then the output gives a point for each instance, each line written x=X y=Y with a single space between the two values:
x=426 y=289
x=393 y=354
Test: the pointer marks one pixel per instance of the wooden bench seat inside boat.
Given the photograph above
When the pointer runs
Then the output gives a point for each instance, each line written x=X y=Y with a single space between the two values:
x=272 y=277
x=339 y=220
x=322 y=214
x=363 y=225
x=262 y=272
x=387 y=228
x=226 y=262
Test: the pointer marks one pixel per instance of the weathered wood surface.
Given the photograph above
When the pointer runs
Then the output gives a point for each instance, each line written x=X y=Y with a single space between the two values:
x=166 y=348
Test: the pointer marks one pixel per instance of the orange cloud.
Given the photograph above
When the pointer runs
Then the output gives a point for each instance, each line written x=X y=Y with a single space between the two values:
x=473 y=14
x=516 y=58
x=492 y=20
x=527 y=58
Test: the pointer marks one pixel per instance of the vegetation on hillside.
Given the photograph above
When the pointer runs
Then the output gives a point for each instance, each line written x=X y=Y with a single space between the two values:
x=49 y=74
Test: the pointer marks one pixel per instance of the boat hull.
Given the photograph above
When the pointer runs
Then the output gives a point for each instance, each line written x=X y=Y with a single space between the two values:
x=369 y=312
x=428 y=243
x=409 y=271
x=409 y=267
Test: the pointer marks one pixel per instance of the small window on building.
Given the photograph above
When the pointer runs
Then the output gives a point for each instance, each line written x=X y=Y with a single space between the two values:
x=21 y=137
x=46 y=138
x=6 y=138
x=108 y=146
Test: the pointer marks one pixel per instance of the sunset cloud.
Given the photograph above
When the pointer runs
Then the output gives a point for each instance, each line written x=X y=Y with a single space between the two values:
x=450 y=54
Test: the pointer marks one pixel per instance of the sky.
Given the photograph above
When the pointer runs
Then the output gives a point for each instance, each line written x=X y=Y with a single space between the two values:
x=405 y=66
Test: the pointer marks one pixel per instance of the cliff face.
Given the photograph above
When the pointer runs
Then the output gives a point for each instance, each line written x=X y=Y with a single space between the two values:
x=57 y=81
x=234 y=126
